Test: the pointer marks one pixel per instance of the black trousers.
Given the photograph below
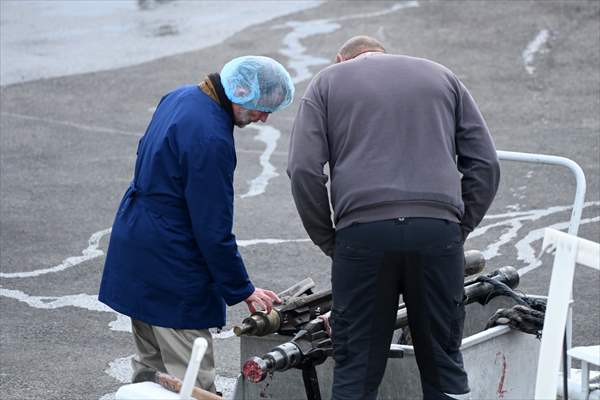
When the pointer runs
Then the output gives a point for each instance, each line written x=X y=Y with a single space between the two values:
x=373 y=263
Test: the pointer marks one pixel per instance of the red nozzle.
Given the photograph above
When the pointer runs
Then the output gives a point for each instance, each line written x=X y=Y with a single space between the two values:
x=255 y=369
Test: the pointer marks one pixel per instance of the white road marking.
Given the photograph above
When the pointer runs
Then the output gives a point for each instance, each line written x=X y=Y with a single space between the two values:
x=513 y=222
x=108 y=396
x=526 y=252
x=396 y=7
x=300 y=62
x=253 y=242
x=537 y=45
x=89 y=253
x=223 y=334
x=82 y=300
x=225 y=385
x=268 y=135
x=121 y=369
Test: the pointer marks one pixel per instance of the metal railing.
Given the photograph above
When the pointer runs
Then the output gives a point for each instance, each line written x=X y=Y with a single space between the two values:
x=575 y=213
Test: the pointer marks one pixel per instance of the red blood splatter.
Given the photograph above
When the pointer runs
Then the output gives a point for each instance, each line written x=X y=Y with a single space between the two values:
x=252 y=371
x=501 y=389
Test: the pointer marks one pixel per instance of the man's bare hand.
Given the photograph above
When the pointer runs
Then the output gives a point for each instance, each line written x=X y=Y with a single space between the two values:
x=263 y=298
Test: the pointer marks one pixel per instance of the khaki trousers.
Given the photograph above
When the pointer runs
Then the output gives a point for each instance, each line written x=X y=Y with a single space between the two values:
x=169 y=350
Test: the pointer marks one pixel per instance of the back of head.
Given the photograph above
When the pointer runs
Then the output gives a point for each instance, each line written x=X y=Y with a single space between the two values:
x=257 y=83
x=358 y=45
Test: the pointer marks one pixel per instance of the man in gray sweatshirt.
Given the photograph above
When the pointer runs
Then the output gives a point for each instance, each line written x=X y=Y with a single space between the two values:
x=413 y=170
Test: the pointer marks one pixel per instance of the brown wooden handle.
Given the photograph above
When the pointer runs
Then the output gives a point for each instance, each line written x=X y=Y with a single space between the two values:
x=173 y=384
x=201 y=394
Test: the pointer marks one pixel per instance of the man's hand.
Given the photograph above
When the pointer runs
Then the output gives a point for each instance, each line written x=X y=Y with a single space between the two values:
x=263 y=298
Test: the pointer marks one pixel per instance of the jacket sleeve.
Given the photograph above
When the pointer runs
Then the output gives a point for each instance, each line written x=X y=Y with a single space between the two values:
x=308 y=154
x=477 y=161
x=209 y=195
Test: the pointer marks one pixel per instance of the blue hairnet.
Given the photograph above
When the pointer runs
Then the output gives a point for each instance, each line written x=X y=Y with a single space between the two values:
x=257 y=83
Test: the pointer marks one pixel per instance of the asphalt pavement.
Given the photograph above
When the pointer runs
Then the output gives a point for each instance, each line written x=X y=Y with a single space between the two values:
x=67 y=149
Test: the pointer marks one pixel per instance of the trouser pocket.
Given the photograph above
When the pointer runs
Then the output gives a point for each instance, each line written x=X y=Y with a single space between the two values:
x=339 y=336
x=456 y=325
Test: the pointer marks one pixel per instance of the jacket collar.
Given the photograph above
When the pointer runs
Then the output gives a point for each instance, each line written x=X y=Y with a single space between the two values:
x=212 y=87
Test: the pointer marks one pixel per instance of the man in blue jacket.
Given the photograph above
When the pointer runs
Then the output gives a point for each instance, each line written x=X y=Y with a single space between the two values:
x=172 y=263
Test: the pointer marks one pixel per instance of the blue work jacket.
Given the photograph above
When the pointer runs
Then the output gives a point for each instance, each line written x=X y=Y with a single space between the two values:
x=172 y=260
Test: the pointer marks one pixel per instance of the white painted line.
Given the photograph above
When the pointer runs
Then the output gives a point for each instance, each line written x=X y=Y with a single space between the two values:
x=537 y=45
x=108 y=396
x=514 y=207
x=85 y=301
x=493 y=249
x=253 y=242
x=300 y=62
x=274 y=153
x=268 y=135
x=89 y=253
x=223 y=334
x=526 y=252
x=514 y=221
x=541 y=212
x=121 y=369
x=398 y=6
x=226 y=386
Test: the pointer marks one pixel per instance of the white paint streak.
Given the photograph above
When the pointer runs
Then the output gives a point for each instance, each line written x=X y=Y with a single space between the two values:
x=121 y=369
x=513 y=207
x=526 y=252
x=85 y=301
x=493 y=249
x=253 y=242
x=395 y=7
x=300 y=62
x=512 y=222
x=223 y=334
x=268 y=135
x=121 y=324
x=88 y=253
x=108 y=396
x=226 y=386
x=542 y=211
x=535 y=46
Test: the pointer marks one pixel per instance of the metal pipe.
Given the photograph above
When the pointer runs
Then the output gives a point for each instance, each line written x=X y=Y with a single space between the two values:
x=578 y=202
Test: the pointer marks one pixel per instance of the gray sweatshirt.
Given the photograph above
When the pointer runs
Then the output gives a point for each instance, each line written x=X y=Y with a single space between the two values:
x=403 y=138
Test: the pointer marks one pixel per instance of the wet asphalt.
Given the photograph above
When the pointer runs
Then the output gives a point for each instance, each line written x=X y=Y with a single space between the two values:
x=67 y=148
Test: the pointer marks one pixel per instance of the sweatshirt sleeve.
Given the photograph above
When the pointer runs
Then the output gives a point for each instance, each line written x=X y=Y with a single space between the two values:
x=209 y=195
x=477 y=161
x=308 y=154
